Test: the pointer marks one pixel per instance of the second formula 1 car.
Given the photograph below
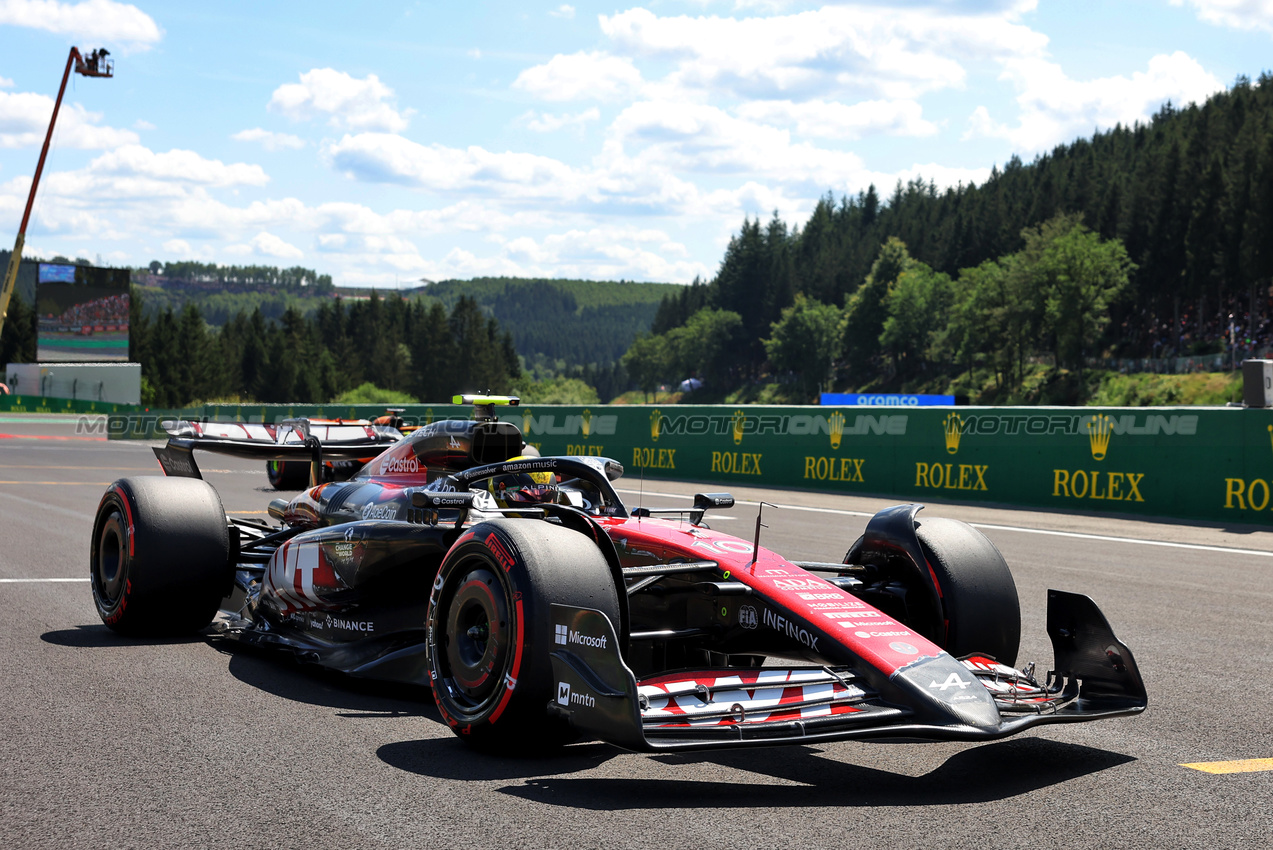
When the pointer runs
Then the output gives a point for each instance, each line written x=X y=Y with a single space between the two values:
x=538 y=607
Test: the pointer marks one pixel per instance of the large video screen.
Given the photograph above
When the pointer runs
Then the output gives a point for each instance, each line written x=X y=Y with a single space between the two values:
x=83 y=313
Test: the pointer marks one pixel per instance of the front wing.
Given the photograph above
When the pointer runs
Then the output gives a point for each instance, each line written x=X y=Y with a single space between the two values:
x=1094 y=677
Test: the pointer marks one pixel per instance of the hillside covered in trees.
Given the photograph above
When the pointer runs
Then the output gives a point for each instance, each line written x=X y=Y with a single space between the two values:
x=404 y=346
x=562 y=325
x=559 y=327
x=1187 y=198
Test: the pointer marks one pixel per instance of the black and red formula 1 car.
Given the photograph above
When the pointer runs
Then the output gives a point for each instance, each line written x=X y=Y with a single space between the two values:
x=538 y=607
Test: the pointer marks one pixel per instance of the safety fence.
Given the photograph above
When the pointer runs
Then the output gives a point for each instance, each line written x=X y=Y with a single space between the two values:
x=1204 y=463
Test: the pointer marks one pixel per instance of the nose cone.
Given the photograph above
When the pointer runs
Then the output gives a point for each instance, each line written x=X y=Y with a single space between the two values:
x=944 y=691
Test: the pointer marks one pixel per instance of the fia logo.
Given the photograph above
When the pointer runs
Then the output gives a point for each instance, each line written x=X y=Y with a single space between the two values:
x=563 y=693
x=561 y=634
x=747 y=617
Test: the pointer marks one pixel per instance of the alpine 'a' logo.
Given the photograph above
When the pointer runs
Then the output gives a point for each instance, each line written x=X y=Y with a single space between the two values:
x=952 y=681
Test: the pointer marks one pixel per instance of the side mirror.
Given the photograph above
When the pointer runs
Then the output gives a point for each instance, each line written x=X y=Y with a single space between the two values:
x=705 y=501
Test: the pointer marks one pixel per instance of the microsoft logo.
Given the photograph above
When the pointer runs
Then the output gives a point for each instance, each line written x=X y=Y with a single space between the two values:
x=562 y=634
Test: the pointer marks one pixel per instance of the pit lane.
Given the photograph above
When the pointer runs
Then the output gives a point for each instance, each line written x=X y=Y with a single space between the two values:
x=176 y=743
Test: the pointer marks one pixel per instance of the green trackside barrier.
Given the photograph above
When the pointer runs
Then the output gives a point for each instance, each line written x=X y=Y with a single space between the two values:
x=1188 y=462
x=1201 y=463
x=40 y=404
x=143 y=423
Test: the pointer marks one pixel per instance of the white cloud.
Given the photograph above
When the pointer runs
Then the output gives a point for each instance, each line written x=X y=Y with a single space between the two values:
x=384 y=158
x=269 y=140
x=565 y=10
x=345 y=101
x=548 y=123
x=581 y=75
x=24 y=121
x=99 y=21
x=267 y=245
x=685 y=137
x=142 y=124
x=1238 y=14
x=894 y=52
x=6 y=83
x=823 y=119
x=176 y=166
x=178 y=248
x=1056 y=109
x=605 y=252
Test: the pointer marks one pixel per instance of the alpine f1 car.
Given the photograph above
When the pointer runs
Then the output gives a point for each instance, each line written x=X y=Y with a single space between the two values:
x=538 y=607
x=295 y=474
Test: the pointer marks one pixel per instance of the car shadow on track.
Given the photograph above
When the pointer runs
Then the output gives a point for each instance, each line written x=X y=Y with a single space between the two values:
x=275 y=673
x=451 y=758
x=981 y=774
x=98 y=635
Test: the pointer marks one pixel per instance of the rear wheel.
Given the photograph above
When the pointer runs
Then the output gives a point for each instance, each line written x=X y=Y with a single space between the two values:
x=980 y=609
x=159 y=562
x=491 y=630
x=287 y=474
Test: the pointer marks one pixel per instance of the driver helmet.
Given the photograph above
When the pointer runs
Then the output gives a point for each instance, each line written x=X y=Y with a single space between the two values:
x=523 y=489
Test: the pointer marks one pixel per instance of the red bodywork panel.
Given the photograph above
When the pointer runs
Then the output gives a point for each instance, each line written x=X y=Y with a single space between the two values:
x=874 y=637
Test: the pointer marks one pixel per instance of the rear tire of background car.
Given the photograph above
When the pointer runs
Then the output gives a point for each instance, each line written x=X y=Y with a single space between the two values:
x=287 y=474
x=491 y=629
x=979 y=598
x=160 y=556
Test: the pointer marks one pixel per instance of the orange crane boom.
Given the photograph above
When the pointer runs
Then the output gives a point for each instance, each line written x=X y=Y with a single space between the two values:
x=97 y=66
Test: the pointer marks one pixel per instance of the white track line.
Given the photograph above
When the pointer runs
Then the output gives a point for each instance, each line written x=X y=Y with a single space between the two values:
x=1226 y=550
x=35 y=580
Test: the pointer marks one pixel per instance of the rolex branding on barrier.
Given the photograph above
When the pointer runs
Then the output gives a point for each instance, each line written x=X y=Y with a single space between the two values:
x=1205 y=463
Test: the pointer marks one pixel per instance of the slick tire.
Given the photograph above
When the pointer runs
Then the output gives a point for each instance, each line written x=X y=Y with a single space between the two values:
x=159 y=562
x=980 y=608
x=491 y=631
x=287 y=474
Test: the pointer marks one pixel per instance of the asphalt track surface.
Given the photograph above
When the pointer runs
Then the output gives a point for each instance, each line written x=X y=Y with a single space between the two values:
x=108 y=742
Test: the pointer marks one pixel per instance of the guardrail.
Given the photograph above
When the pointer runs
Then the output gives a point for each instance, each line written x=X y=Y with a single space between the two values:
x=1202 y=463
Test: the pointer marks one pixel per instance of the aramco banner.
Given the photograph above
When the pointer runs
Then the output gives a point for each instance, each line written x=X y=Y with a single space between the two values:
x=1190 y=462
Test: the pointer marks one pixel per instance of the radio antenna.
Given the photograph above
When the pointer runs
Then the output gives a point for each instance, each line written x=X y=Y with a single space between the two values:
x=755 y=547
x=641 y=494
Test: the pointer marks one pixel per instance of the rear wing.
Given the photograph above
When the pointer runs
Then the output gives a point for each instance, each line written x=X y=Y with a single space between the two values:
x=311 y=441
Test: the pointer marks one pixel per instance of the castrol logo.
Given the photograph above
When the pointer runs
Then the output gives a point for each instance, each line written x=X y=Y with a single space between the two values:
x=399 y=464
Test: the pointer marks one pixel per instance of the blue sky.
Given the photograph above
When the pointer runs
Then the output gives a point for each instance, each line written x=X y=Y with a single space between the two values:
x=391 y=142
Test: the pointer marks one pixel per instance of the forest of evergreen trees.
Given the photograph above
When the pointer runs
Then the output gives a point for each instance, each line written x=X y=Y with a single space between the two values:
x=1189 y=196
x=393 y=343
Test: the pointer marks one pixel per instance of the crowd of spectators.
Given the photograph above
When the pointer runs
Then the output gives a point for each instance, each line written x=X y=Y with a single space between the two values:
x=1226 y=335
x=110 y=310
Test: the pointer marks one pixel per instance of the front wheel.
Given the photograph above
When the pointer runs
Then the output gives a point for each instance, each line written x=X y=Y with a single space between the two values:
x=159 y=557
x=980 y=609
x=491 y=631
